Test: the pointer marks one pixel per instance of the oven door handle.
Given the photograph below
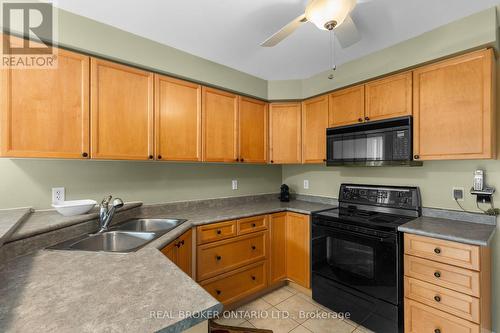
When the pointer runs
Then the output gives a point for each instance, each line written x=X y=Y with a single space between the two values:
x=383 y=239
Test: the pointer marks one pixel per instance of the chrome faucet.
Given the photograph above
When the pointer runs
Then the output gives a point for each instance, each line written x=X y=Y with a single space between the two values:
x=106 y=213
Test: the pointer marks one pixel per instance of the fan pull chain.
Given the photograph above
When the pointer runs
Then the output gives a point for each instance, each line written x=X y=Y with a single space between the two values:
x=332 y=54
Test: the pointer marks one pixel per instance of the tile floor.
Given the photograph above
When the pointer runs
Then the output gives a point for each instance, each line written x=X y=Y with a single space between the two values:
x=280 y=311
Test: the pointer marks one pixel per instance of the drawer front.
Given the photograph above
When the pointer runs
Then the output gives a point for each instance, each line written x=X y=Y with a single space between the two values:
x=252 y=224
x=217 y=258
x=455 y=303
x=235 y=285
x=458 y=279
x=420 y=318
x=453 y=253
x=216 y=231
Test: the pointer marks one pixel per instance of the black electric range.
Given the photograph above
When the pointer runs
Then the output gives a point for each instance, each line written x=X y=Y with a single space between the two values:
x=357 y=254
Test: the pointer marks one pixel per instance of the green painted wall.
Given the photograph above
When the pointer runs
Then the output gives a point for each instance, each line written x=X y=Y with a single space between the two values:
x=29 y=182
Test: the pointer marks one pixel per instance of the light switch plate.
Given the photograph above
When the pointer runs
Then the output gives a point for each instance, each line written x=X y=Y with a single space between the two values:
x=306 y=184
x=234 y=184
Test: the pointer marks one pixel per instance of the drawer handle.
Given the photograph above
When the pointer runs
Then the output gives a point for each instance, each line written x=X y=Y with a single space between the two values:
x=437 y=298
x=218 y=292
x=253 y=225
x=437 y=330
x=253 y=277
x=437 y=274
x=253 y=247
x=218 y=258
x=437 y=250
x=219 y=232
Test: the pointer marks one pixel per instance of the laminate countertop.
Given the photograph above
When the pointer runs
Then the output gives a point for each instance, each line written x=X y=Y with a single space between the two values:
x=143 y=291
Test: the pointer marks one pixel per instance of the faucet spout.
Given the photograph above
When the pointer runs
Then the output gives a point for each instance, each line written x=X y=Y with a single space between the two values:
x=106 y=214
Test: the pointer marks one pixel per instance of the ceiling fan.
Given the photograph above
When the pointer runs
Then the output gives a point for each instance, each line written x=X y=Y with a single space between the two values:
x=326 y=15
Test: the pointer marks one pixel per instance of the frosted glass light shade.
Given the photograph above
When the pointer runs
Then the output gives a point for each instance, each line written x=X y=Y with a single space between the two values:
x=321 y=12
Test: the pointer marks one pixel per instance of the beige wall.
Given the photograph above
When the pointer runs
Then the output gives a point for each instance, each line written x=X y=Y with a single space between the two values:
x=29 y=182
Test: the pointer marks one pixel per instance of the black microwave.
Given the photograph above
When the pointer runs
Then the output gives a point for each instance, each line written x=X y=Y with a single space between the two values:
x=376 y=143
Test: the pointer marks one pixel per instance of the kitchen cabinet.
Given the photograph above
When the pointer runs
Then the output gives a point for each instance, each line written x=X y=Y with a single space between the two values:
x=220 y=125
x=177 y=120
x=453 y=108
x=298 y=249
x=347 y=106
x=121 y=112
x=252 y=131
x=447 y=286
x=277 y=257
x=389 y=97
x=45 y=112
x=285 y=133
x=180 y=252
x=314 y=125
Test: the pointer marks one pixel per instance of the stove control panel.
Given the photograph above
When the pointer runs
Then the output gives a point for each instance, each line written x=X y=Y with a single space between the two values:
x=397 y=197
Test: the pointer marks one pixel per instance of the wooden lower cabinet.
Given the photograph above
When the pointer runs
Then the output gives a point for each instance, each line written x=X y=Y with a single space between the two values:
x=297 y=249
x=277 y=257
x=180 y=252
x=440 y=294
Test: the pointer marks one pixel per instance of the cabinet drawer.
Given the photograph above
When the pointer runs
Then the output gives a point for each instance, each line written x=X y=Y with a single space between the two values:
x=217 y=258
x=233 y=286
x=458 y=304
x=216 y=231
x=448 y=276
x=453 y=253
x=420 y=318
x=252 y=224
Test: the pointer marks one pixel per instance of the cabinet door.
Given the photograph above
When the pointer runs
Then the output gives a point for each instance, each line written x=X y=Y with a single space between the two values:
x=277 y=264
x=253 y=131
x=121 y=112
x=170 y=251
x=389 y=97
x=453 y=108
x=314 y=124
x=185 y=252
x=220 y=126
x=177 y=120
x=347 y=106
x=297 y=248
x=45 y=112
x=285 y=133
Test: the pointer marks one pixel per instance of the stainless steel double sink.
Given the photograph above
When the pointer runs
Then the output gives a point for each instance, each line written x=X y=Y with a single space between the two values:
x=125 y=237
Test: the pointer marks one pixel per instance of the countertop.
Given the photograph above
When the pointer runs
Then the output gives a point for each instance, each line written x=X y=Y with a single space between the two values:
x=452 y=230
x=73 y=291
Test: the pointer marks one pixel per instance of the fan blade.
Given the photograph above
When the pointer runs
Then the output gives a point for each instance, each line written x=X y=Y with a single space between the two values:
x=284 y=32
x=347 y=33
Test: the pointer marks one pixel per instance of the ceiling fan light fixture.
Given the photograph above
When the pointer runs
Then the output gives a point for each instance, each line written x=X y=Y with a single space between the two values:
x=327 y=14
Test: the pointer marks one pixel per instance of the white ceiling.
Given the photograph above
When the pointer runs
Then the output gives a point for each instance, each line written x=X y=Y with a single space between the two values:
x=229 y=31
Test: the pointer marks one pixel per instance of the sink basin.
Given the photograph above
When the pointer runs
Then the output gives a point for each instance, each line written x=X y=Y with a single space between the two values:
x=149 y=225
x=113 y=241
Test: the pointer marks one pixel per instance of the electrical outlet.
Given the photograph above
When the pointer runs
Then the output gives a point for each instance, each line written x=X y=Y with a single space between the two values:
x=306 y=184
x=458 y=193
x=234 y=184
x=58 y=194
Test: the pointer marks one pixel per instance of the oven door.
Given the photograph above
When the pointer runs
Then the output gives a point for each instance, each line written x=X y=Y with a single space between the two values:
x=365 y=262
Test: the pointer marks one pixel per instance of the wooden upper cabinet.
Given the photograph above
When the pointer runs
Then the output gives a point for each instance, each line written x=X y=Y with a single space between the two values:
x=253 y=131
x=177 y=120
x=453 y=108
x=285 y=133
x=220 y=125
x=389 y=97
x=45 y=112
x=314 y=125
x=121 y=111
x=347 y=106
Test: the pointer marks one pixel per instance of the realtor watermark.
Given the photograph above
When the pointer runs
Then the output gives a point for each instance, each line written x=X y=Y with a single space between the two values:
x=28 y=33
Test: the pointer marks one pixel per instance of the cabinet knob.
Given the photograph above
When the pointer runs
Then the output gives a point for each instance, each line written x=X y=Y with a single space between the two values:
x=181 y=242
x=253 y=277
x=416 y=157
x=367 y=118
x=178 y=244
x=437 y=330
x=218 y=292
x=324 y=160
x=218 y=232
x=253 y=225
x=159 y=157
x=242 y=160
x=253 y=247
x=360 y=119
x=151 y=157
x=437 y=250
x=84 y=154
x=218 y=258
x=437 y=298
x=437 y=274
x=237 y=160
x=272 y=161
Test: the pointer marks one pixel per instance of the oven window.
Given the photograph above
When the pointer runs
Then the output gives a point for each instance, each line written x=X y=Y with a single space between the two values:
x=350 y=257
